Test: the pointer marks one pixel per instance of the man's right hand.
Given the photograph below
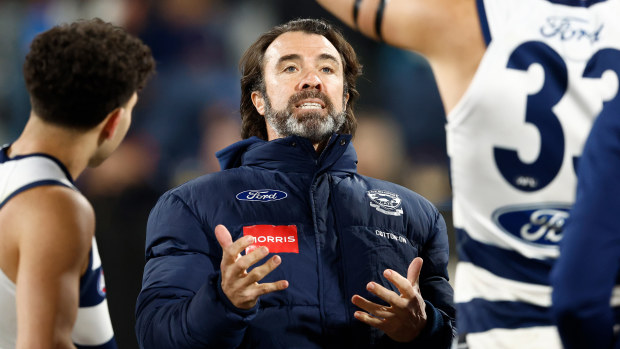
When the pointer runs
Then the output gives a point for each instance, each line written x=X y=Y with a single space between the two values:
x=242 y=288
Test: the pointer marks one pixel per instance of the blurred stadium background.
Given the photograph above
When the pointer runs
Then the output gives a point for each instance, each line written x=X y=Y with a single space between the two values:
x=190 y=110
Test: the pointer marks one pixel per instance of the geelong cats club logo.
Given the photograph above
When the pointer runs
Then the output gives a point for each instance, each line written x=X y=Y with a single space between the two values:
x=385 y=202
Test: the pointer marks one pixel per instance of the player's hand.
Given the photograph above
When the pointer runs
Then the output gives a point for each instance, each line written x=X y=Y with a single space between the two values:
x=242 y=288
x=406 y=316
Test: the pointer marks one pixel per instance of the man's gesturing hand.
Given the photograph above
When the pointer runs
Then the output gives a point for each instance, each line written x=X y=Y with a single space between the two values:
x=406 y=316
x=242 y=288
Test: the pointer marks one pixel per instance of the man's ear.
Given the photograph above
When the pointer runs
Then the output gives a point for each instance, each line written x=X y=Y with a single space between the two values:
x=259 y=102
x=110 y=124
x=346 y=100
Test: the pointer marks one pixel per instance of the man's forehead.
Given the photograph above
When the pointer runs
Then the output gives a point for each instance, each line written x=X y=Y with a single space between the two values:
x=301 y=44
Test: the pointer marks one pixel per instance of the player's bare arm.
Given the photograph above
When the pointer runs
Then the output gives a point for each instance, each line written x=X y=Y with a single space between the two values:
x=53 y=231
x=446 y=32
x=405 y=318
x=242 y=288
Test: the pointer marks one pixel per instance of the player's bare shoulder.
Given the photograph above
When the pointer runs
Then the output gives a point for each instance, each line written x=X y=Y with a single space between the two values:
x=67 y=213
x=54 y=222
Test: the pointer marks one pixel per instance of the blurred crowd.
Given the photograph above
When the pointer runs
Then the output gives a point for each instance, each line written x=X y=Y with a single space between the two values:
x=190 y=110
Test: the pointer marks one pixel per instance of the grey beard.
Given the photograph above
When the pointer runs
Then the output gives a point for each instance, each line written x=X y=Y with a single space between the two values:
x=308 y=124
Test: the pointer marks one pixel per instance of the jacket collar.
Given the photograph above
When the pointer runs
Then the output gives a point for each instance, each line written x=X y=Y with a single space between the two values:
x=291 y=154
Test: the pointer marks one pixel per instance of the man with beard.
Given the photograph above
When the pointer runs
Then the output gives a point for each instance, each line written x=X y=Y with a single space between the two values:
x=350 y=261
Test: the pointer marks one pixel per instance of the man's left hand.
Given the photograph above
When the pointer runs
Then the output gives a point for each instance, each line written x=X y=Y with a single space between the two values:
x=405 y=318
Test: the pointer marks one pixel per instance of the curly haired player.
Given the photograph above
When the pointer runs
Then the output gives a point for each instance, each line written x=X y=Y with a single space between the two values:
x=83 y=80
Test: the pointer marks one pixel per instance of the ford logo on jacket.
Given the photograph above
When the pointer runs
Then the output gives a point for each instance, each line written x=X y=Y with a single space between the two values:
x=261 y=195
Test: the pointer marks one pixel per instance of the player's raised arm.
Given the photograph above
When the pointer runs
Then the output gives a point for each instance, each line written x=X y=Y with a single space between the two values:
x=419 y=25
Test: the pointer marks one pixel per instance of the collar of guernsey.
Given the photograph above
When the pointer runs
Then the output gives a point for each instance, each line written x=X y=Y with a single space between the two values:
x=577 y=3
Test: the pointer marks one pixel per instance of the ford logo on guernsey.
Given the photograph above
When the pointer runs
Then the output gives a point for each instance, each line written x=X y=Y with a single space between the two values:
x=541 y=225
x=263 y=195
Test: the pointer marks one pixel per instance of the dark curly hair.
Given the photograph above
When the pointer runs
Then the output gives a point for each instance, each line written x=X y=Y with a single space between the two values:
x=78 y=73
x=251 y=66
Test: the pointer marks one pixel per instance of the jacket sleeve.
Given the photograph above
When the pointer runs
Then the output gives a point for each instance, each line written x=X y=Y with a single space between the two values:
x=181 y=304
x=436 y=290
x=586 y=272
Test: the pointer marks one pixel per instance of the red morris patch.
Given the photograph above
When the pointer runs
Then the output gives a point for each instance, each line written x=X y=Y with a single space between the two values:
x=277 y=238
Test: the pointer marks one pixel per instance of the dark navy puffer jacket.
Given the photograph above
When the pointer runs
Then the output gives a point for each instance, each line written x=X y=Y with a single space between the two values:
x=349 y=229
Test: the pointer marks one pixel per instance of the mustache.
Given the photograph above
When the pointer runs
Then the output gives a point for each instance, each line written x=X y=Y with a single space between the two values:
x=309 y=94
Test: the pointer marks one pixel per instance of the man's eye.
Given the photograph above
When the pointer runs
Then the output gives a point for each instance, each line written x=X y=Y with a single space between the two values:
x=327 y=70
x=290 y=68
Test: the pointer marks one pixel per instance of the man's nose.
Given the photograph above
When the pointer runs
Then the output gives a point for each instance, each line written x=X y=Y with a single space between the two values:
x=310 y=81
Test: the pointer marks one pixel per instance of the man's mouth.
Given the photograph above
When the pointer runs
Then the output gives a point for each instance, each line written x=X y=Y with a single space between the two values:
x=310 y=105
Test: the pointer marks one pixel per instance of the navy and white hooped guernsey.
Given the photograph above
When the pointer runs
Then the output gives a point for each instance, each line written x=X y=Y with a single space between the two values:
x=93 y=328
x=514 y=140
